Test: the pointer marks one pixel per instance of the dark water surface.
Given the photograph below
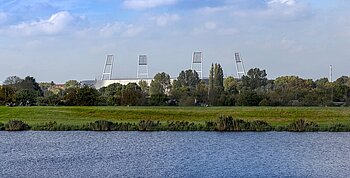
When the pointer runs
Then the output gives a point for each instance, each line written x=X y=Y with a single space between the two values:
x=174 y=154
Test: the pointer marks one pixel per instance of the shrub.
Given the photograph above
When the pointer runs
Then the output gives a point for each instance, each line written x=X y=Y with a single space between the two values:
x=2 y=126
x=148 y=125
x=260 y=126
x=126 y=127
x=301 y=126
x=338 y=127
x=281 y=128
x=224 y=123
x=182 y=126
x=241 y=125
x=102 y=125
x=49 y=126
x=16 y=125
x=210 y=126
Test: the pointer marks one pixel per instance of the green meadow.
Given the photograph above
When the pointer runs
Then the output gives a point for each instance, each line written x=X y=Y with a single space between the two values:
x=276 y=116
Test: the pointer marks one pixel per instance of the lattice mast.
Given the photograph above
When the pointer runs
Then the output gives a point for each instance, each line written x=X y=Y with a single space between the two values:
x=197 y=63
x=142 y=67
x=107 y=70
x=239 y=65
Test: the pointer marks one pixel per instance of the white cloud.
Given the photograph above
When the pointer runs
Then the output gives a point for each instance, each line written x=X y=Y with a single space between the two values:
x=3 y=17
x=227 y=31
x=57 y=23
x=210 y=25
x=132 y=31
x=291 y=45
x=145 y=4
x=111 y=29
x=165 y=19
x=285 y=2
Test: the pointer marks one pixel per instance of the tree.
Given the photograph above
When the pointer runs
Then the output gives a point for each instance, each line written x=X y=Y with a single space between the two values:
x=7 y=94
x=144 y=87
x=216 y=85
x=230 y=85
x=132 y=95
x=159 y=88
x=26 y=97
x=71 y=84
x=29 y=83
x=188 y=78
x=248 y=98
x=87 y=96
x=160 y=84
x=12 y=80
x=184 y=89
x=112 y=94
x=254 y=79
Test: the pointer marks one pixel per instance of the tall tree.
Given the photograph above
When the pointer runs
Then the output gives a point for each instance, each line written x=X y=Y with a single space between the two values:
x=216 y=85
x=12 y=80
x=254 y=79
x=159 y=88
x=160 y=84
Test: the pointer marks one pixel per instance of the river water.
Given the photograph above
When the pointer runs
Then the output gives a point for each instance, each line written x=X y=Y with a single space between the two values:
x=174 y=154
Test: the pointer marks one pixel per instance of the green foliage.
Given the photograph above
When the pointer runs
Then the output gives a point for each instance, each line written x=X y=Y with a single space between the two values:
x=216 y=85
x=16 y=125
x=160 y=84
x=224 y=123
x=260 y=126
x=158 y=100
x=248 y=98
x=227 y=123
x=48 y=126
x=7 y=94
x=338 y=127
x=188 y=78
x=182 y=126
x=87 y=96
x=302 y=126
x=71 y=84
x=102 y=125
x=2 y=126
x=26 y=97
x=148 y=125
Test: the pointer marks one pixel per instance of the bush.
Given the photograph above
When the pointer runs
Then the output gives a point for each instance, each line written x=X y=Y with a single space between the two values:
x=2 y=126
x=338 y=127
x=147 y=125
x=182 y=126
x=241 y=125
x=126 y=127
x=261 y=126
x=49 y=126
x=301 y=126
x=224 y=123
x=16 y=125
x=102 y=125
x=210 y=126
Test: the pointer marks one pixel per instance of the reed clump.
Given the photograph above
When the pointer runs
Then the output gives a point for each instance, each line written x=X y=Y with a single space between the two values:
x=16 y=125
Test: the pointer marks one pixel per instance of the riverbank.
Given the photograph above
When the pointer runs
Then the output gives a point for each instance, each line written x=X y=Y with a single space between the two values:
x=193 y=118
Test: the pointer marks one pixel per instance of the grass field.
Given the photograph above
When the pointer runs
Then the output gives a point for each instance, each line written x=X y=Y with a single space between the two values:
x=81 y=115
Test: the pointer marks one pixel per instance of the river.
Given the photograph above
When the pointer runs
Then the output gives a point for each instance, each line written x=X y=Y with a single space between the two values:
x=174 y=154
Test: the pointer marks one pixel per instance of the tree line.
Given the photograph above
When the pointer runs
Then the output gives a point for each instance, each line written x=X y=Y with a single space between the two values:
x=253 y=89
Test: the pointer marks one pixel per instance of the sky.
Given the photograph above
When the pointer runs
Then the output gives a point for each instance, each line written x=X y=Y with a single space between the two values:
x=69 y=39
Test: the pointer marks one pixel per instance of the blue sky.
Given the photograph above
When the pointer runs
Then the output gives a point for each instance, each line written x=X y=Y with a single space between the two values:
x=66 y=39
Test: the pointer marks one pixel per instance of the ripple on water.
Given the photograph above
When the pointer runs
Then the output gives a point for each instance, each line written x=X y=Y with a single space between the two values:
x=174 y=154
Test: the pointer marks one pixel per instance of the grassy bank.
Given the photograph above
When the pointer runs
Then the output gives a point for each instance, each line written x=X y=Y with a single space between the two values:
x=275 y=116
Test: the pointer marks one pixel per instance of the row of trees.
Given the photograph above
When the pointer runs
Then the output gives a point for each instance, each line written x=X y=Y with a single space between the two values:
x=253 y=89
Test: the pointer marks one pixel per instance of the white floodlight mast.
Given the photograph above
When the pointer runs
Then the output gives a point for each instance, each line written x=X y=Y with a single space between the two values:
x=142 y=66
x=108 y=68
x=239 y=65
x=197 y=63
